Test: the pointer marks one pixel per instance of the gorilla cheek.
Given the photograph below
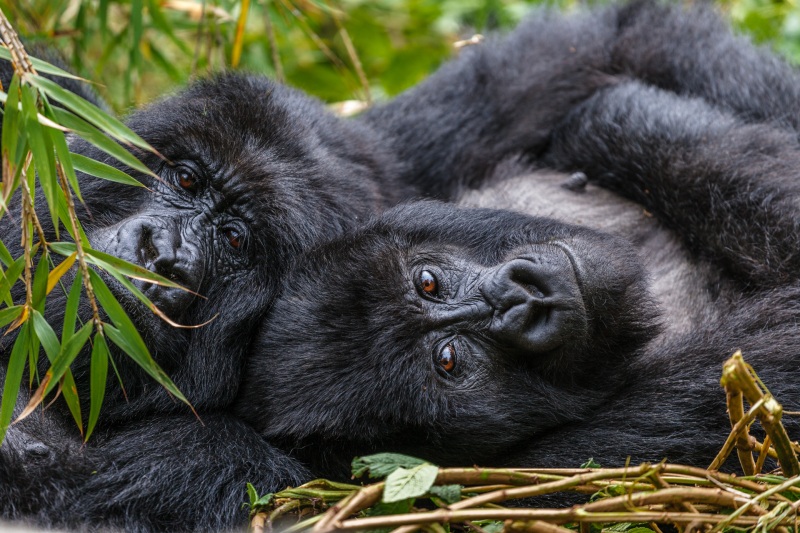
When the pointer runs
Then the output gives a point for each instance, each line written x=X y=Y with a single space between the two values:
x=537 y=302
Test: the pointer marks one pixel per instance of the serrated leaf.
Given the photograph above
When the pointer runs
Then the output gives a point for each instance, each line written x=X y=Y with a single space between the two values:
x=98 y=378
x=448 y=493
x=380 y=465
x=103 y=171
x=58 y=272
x=409 y=483
x=16 y=366
x=386 y=509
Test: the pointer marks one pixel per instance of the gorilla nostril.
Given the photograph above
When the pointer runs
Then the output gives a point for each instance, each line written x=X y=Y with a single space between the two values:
x=524 y=275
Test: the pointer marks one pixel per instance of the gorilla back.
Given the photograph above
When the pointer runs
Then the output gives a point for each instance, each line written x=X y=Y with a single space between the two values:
x=490 y=337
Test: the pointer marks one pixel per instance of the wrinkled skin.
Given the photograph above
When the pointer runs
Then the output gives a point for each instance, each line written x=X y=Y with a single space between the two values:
x=482 y=336
x=259 y=174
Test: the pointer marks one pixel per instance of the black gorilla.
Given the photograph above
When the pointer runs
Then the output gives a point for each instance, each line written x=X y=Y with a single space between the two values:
x=492 y=337
x=259 y=173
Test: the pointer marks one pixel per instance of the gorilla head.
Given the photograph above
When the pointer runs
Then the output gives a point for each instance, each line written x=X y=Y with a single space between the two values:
x=469 y=325
x=244 y=162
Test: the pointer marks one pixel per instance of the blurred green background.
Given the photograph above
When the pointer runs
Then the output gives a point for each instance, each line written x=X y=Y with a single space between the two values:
x=335 y=49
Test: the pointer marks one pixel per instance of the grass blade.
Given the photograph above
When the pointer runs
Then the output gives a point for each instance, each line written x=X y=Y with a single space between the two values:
x=42 y=66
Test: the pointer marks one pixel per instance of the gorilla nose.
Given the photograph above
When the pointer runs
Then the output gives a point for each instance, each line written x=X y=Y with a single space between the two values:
x=158 y=249
x=537 y=302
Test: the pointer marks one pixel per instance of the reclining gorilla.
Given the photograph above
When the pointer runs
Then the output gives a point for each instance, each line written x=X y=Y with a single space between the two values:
x=480 y=336
x=258 y=173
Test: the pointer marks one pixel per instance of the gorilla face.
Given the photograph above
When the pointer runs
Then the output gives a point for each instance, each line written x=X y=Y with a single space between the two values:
x=436 y=322
x=244 y=162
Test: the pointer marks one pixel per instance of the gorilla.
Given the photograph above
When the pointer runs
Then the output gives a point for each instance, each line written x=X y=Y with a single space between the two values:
x=494 y=337
x=256 y=174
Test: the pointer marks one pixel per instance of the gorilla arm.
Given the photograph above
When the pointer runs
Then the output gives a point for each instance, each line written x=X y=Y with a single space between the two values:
x=729 y=189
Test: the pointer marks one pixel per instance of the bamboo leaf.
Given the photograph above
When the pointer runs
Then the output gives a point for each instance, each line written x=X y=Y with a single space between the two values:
x=9 y=278
x=5 y=255
x=103 y=171
x=70 y=393
x=16 y=366
x=59 y=271
x=90 y=112
x=98 y=139
x=46 y=336
x=11 y=120
x=71 y=310
x=42 y=66
x=40 y=282
x=64 y=158
x=42 y=149
x=128 y=339
x=8 y=314
x=68 y=352
x=98 y=377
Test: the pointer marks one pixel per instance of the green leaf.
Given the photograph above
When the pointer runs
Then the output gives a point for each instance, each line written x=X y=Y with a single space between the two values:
x=42 y=150
x=381 y=465
x=70 y=349
x=386 y=509
x=8 y=315
x=40 y=277
x=128 y=339
x=63 y=153
x=16 y=366
x=70 y=393
x=9 y=278
x=403 y=483
x=71 y=310
x=98 y=377
x=98 y=139
x=448 y=493
x=103 y=171
x=11 y=119
x=591 y=463
x=5 y=255
x=90 y=112
x=490 y=526
x=42 y=66
x=46 y=336
x=111 y=263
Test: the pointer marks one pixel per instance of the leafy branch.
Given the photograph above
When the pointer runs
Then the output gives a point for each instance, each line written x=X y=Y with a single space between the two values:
x=414 y=494
x=36 y=159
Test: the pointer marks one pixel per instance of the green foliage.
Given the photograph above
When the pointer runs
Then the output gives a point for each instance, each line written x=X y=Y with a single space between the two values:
x=409 y=483
x=381 y=465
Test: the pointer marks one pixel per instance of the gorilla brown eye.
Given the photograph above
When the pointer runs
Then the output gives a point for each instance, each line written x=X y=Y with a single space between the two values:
x=234 y=237
x=186 y=179
x=446 y=359
x=428 y=283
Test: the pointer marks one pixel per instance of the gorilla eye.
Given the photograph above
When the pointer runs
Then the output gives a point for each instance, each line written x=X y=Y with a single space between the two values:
x=186 y=179
x=446 y=358
x=234 y=237
x=428 y=283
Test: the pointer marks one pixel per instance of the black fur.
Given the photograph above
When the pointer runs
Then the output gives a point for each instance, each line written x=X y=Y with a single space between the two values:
x=287 y=175
x=711 y=266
